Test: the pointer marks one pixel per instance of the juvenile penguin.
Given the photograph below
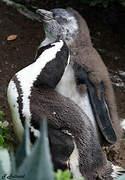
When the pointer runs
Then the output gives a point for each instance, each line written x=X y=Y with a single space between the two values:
x=74 y=143
x=91 y=88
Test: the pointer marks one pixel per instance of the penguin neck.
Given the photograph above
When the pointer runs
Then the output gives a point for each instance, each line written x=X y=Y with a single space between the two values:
x=47 y=41
x=67 y=82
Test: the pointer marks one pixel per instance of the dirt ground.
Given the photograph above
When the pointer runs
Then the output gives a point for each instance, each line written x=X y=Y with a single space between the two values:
x=107 y=36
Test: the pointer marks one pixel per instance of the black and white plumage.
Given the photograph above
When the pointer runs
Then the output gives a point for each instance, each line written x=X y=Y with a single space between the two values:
x=21 y=85
x=39 y=89
x=32 y=93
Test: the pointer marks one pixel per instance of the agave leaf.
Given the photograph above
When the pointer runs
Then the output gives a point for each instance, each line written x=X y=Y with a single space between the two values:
x=5 y=165
x=38 y=164
x=121 y=177
x=13 y=163
x=2 y=172
x=24 y=148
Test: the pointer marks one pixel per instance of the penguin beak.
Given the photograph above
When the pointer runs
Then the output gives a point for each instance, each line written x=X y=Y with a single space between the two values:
x=44 y=14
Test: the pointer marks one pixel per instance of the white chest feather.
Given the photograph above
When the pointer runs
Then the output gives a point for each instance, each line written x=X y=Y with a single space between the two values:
x=67 y=87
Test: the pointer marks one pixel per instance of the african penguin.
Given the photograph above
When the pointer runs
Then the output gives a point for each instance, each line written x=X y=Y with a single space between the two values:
x=32 y=93
x=91 y=86
x=36 y=91
x=46 y=71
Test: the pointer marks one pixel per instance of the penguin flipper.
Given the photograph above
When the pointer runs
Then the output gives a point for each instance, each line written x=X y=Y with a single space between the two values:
x=98 y=104
x=101 y=112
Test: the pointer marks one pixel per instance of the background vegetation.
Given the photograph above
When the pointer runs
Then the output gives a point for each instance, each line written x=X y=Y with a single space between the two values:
x=104 y=3
x=6 y=134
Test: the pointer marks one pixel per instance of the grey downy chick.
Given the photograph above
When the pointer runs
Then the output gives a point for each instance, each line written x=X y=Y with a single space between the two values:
x=90 y=85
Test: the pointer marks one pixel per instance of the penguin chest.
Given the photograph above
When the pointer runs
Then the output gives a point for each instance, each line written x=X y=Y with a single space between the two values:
x=68 y=88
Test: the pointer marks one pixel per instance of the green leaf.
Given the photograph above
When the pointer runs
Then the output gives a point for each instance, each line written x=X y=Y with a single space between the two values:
x=1 y=123
x=24 y=149
x=38 y=166
x=4 y=162
x=1 y=140
x=13 y=163
x=5 y=124
x=62 y=175
x=2 y=172
x=1 y=115
x=121 y=177
x=6 y=136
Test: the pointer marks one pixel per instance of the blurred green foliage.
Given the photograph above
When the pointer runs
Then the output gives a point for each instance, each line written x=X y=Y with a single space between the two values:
x=6 y=135
x=64 y=175
x=121 y=177
x=33 y=163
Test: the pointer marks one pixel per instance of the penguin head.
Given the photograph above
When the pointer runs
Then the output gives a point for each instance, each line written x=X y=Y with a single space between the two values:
x=53 y=59
x=59 y=24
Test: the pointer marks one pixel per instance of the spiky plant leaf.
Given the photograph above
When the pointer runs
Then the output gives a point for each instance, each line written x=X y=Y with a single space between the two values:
x=2 y=172
x=13 y=163
x=24 y=148
x=4 y=162
x=121 y=177
x=38 y=164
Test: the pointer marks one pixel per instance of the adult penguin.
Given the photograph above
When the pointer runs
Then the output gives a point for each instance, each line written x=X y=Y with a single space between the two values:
x=91 y=76
x=36 y=91
x=74 y=143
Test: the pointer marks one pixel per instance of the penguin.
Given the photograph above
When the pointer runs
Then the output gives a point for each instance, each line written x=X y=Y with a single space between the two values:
x=93 y=90
x=36 y=91
x=32 y=94
x=21 y=85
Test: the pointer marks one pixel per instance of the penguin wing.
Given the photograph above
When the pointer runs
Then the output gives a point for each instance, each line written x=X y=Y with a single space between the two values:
x=98 y=104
